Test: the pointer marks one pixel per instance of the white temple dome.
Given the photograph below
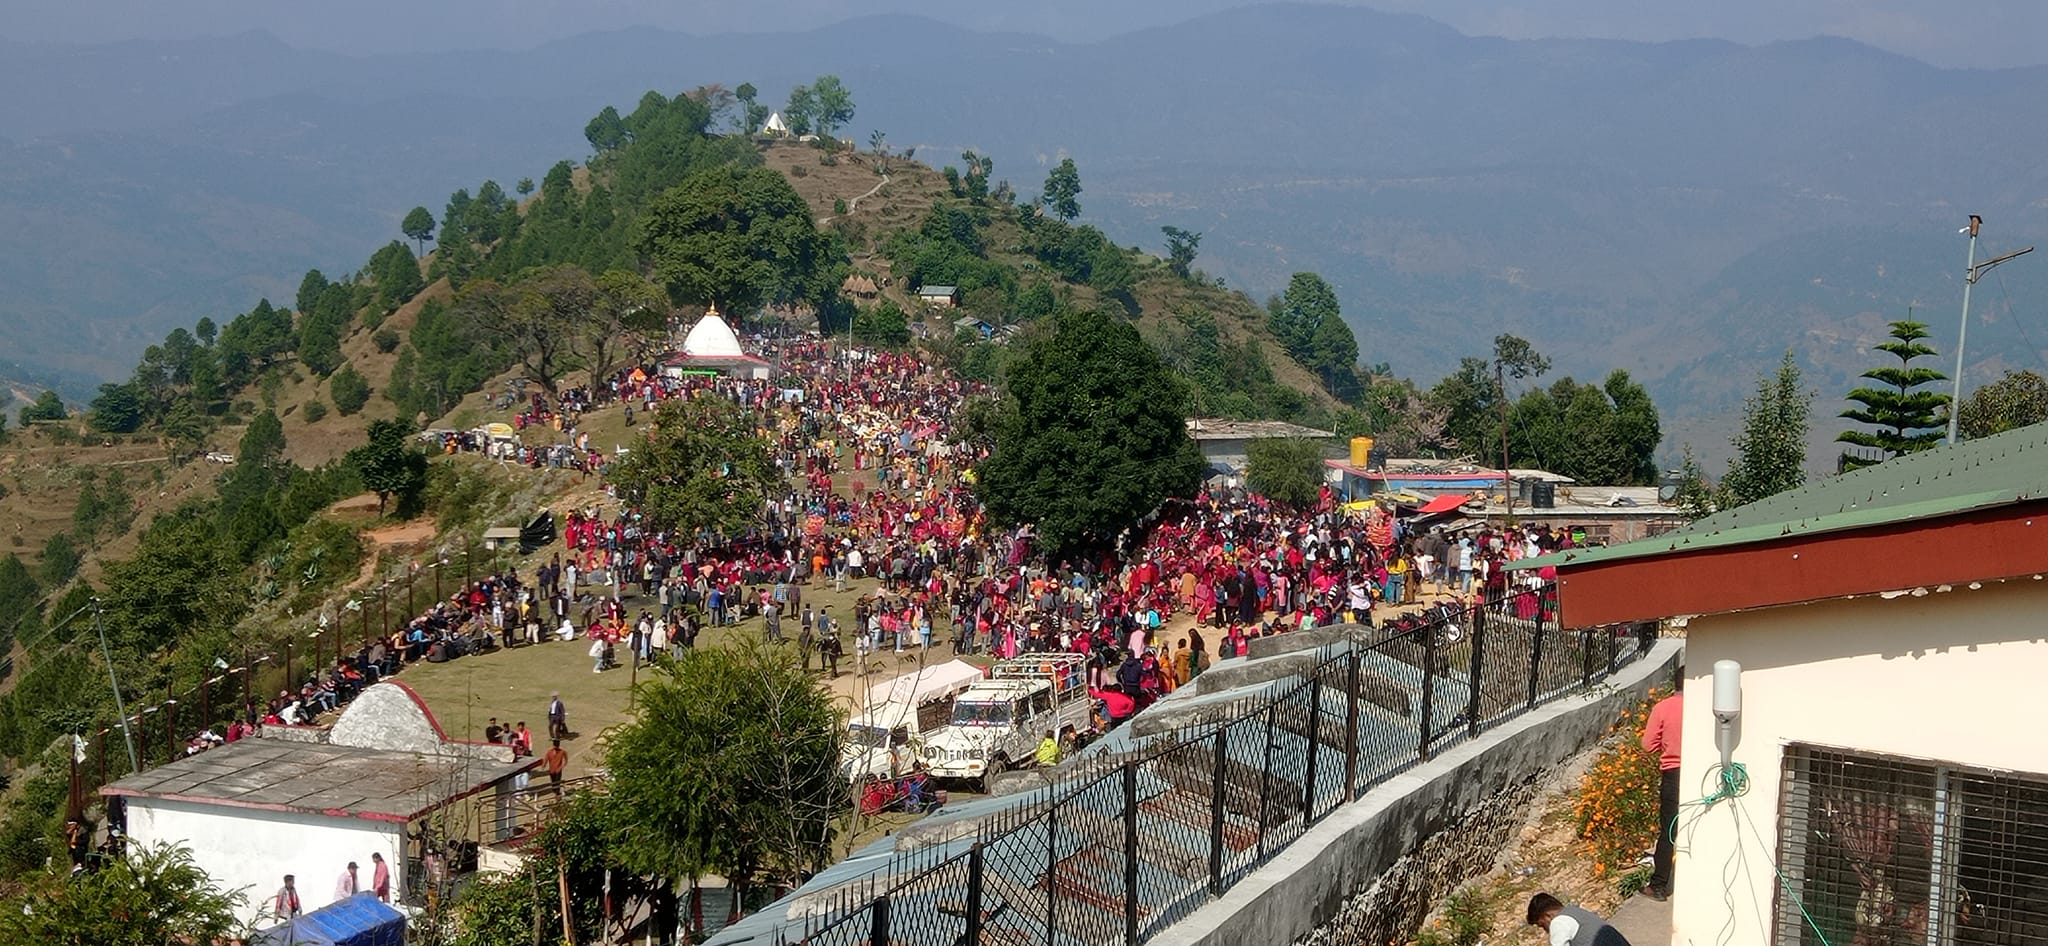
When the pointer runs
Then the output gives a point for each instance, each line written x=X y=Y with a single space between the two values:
x=712 y=338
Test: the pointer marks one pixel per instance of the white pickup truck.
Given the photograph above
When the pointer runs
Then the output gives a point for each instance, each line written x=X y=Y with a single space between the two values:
x=886 y=740
x=997 y=724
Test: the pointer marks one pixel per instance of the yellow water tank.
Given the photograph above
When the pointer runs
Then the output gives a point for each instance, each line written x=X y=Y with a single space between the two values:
x=1361 y=450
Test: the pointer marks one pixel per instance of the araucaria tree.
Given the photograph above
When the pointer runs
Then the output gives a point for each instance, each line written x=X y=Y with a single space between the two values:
x=1770 y=452
x=729 y=766
x=1090 y=434
x=737 y=237
x=701 y=472
x=1907 y=414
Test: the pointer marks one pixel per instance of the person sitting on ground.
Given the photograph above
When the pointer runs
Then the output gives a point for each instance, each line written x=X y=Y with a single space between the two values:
x=1048 y=754
x=1571 y=925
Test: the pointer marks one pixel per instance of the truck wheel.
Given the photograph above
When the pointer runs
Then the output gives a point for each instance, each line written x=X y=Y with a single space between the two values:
x=988 y=775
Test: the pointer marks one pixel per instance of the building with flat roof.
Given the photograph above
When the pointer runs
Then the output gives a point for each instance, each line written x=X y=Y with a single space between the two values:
x=1226 y=443
x=307 y=801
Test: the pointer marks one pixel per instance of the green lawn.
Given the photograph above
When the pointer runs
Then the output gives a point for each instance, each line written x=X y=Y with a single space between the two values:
x=515 y=685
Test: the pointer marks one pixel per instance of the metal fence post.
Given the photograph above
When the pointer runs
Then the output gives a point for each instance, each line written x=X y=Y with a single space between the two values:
x=1052 y=863
x=878 y=933
x=1217 y=812
x=974 y=867
x=1535 y=659
x=1350 y=725
x=1586 y=645
x=1427 y=714
x=1131 y=853
x=1613 y=652
x=1266 y=781
x=1476 y=671
x=1315 y=745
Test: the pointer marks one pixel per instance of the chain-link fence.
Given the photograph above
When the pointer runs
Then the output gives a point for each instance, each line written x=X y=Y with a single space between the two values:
x=1119 y=854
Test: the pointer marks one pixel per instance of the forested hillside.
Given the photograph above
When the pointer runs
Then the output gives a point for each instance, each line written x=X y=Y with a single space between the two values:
x=557 y=280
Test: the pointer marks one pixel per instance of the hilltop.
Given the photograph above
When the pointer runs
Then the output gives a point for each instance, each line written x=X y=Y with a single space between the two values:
x=1684 y=210
x=209 y=505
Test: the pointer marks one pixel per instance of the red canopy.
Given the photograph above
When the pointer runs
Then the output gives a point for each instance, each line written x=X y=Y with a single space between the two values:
x=1444 y=504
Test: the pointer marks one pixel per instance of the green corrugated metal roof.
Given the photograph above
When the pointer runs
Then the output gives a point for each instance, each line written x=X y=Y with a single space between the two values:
x=1977 y=474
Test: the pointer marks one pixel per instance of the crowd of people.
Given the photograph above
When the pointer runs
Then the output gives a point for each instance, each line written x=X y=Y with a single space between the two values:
x=877 y=491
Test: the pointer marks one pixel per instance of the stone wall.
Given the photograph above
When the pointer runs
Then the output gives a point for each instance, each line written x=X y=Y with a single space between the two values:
x=1369 y=871
x=1465 y=847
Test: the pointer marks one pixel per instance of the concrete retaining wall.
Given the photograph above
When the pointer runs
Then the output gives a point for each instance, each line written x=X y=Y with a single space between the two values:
x=1368 y=872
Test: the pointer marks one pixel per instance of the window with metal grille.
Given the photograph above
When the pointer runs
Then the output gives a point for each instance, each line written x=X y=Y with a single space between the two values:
x=1889 y=852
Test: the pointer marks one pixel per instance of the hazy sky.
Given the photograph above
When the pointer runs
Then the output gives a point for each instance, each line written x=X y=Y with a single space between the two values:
x=1990 y=33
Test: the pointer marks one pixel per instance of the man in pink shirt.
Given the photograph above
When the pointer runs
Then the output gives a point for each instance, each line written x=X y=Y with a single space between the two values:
x=1660 y=735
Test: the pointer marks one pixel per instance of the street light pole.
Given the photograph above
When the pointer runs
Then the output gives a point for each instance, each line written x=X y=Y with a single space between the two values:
x=1971 y=270
x=1955 y=401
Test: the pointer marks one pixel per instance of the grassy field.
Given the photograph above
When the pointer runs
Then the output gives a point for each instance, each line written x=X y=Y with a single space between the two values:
x=515 y=685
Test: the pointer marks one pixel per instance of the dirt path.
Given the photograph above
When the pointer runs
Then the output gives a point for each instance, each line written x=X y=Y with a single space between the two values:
x=854 y=204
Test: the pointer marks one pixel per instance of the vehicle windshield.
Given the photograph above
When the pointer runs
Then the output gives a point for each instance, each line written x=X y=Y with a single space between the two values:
x=871 y=737
x=981 y=714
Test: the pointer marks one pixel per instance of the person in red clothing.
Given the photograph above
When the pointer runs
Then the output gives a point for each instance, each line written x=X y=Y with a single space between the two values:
x=1660 y=735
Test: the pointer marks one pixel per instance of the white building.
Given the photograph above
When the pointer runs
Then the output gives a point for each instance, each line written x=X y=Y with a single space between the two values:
x=712 y=348
x=1226 y=443
x=1891 y=628
x=306 y=801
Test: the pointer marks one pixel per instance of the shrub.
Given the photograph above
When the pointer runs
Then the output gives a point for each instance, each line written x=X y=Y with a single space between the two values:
x=839 y=205
x=1467 y=918
x=349 y=390
x=314 y=411
x=1617 y=806
x=386 y=340
x=799 y=171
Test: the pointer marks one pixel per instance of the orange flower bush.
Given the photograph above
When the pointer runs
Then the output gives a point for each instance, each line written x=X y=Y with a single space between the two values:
x=1617 y=803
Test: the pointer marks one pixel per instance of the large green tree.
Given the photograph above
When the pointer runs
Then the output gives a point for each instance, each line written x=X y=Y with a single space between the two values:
x=1062 y=193
x=606 y=132
x=46 y=406
x=1906 y=413
x=1090 y=434
x=756 y=741
x=390 y=465
x=802 y=111
x=832 y=104
x=627 y=313
x=702 y=471
x=1770 y=450
x=738 y=237
x=419 y=226
x=2019 y=399
x=154 y=896
x=1181 y=246
x=1295 y=316
x=1288 y=472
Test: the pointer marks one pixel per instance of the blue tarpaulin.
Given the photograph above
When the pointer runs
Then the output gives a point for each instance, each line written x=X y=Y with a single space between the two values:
x=361 y=920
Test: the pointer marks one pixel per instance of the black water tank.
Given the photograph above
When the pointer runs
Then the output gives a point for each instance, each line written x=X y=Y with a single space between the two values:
x=1543 y=494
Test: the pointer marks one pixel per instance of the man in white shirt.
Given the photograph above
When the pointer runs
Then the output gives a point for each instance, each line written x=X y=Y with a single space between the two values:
x=1571 y=925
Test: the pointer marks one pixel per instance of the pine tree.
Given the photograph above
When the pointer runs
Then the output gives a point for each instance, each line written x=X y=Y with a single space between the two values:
x=1770 y=452
x=1908 y=416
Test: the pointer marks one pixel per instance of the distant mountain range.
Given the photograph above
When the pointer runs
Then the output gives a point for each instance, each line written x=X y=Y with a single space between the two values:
x=1683 y=210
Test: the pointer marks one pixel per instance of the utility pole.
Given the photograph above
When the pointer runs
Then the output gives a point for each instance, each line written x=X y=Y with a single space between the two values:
x=1971 y=270
x=107 y=654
